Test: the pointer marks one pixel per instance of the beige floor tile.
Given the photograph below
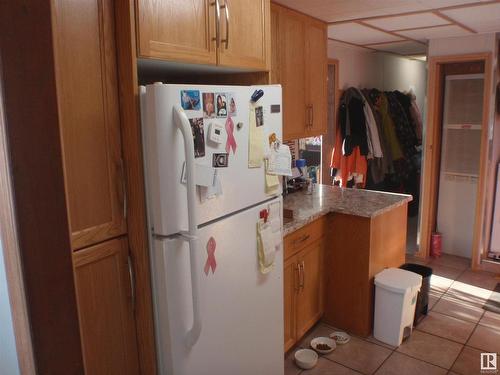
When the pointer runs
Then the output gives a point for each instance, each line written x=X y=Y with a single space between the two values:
x=440 y=284
x=485 y=338
x=450 y=305
x=446 y=326
x=398 y=364
x=375 y=341
x=491 y=320
x=445 y=271
x=326 y=367
x=432 y=301
x=451 y=261
x=360 y=355
x=468 y=362
x=432 y=349
x=469 y=293
x=481 y=279
x=290 y=366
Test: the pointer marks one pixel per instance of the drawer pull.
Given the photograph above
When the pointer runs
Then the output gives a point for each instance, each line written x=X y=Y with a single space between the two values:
x=296 y=275
x=304 y=238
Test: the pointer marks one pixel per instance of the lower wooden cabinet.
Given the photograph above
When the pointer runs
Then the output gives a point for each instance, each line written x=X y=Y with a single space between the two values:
x=105 y=308
x=303 y=291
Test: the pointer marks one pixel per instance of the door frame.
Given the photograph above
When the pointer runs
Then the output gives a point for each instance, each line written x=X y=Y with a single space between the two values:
x=432 y=153
x=329 y=137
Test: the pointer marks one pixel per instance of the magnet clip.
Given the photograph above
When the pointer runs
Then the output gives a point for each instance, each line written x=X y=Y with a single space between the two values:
x=257 y=95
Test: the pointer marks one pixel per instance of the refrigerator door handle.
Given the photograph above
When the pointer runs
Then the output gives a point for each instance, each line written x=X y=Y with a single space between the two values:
x=181 y=120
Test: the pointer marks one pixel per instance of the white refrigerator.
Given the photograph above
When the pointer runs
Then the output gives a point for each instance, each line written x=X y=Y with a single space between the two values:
x=215 y=311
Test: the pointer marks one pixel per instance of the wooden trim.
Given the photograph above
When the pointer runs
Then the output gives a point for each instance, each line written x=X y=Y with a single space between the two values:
x=425 y=27
x=432 y=153
x=393 y=33
x=353 y=44
x=12 y=258
x=329 y=137
x=452 y=7
x=38 y=184
x=456 y=23
x=132 y=155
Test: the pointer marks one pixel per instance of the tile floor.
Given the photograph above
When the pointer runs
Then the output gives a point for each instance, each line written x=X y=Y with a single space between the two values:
x=448 y=341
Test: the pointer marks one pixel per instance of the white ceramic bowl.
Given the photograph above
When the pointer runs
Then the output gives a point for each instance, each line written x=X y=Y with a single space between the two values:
x=323 y=340
x=340 y=337
x=306 y=358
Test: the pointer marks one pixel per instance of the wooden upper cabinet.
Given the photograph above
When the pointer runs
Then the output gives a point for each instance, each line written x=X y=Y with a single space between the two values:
x=245 y=34
x=316 y=76
x=178 y=30
x=229 y=33
x=105 y=309
x=299 y=64
x=86 y=74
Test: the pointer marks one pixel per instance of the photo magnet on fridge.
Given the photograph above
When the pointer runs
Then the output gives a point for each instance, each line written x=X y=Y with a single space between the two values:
x=231 y=99
x=220 y=160
x=259 y=116
x=208 y=104
x=198 y=136
x=221 y=104
x=190 y=100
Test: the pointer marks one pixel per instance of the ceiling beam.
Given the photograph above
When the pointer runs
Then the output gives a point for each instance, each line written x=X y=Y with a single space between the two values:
x=424 y=27
x=393 y=33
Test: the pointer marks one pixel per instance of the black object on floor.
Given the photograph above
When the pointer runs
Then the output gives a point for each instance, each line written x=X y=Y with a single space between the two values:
x=423 y=296
x=493 y=303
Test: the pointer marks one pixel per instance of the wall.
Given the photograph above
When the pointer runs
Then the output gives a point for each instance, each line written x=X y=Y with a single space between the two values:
x=8 y=355
x=363 y=68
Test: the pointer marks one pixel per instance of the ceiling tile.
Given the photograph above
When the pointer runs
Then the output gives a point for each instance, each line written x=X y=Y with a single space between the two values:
x=435 y=32
x=355 y=33
x=406 y=22
x=341 y=10
x=403 y=48
x=484 y=18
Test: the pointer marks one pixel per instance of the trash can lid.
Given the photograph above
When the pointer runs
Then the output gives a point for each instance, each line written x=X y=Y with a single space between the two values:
x=397 y=280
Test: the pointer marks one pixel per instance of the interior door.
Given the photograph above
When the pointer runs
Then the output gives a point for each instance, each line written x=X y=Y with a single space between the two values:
x=245 y=34
x=460 y=158
x=179 y=30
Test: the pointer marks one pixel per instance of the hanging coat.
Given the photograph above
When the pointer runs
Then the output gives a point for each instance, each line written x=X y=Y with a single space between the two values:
x=352 y=122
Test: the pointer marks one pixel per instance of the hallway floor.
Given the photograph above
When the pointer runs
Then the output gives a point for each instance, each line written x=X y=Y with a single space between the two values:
x=449 y=340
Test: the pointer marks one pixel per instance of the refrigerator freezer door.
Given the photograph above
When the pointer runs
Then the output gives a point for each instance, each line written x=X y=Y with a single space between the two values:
x=241 y=309
x=241 y=186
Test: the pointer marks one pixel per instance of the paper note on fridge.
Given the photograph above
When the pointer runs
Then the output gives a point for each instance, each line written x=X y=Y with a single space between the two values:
x=279 y=161
x=204 y=175
x=255 y=138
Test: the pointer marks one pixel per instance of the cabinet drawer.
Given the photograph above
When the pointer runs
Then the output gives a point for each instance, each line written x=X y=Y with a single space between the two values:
x=304 y=236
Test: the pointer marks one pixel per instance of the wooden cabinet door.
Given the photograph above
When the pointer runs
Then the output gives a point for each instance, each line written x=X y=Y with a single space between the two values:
x=292 y=74
x=87 y=89
x=105 y=309
x=309 y=297
x=179 y=30
x=290 y=286
x=316 y=52
x=245 y=34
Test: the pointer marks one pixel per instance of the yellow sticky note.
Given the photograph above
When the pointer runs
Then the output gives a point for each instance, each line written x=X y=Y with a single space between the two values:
x=272 y=183
x=255 y=141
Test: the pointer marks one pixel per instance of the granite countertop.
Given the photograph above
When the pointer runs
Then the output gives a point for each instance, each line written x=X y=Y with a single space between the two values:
x=326 y=199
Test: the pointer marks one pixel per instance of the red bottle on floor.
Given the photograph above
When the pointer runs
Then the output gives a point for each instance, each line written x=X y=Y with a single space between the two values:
x=436 y=244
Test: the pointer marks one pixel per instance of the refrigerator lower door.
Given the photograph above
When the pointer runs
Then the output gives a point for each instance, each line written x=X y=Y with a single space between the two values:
x=241 y=309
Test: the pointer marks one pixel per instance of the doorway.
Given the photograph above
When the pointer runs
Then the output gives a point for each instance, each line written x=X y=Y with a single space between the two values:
x=455 y=157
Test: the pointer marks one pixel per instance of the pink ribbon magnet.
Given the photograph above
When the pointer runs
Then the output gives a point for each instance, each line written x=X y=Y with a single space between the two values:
x=231 y=142
x=210 y=263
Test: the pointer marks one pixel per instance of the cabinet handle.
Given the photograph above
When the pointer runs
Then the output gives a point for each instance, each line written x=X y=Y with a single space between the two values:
x=296 y=276
x=217 y=23
x=123 y=192
x=302 y=274
x=226 y=11
x=305 y=237
x=132 y=280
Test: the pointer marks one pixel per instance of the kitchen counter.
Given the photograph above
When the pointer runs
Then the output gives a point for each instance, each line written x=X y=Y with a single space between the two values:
x=332 y=199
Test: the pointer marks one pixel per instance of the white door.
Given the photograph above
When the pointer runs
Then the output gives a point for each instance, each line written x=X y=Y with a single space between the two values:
x=460 y=154
x=241 y=309
x=241 y=185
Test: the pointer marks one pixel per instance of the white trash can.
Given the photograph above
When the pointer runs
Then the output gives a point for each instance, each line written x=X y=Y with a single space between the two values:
x=396 y=293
